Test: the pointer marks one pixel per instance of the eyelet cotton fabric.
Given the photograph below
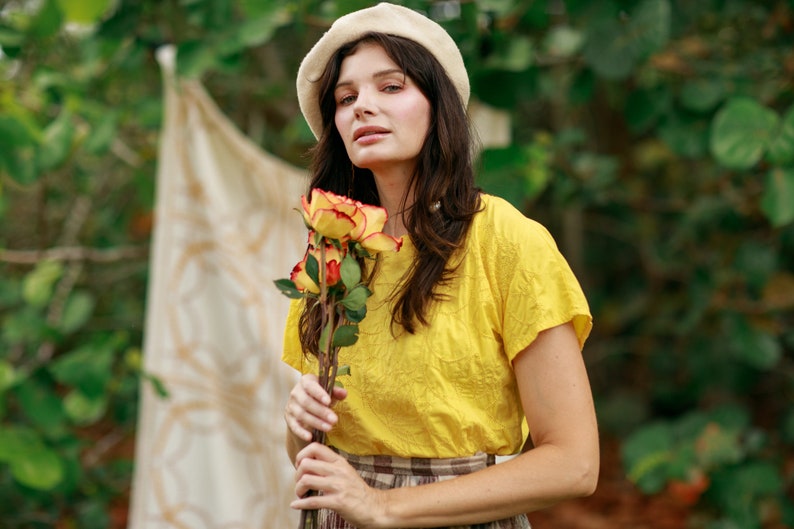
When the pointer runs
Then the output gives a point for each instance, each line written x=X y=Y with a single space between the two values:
x=449 y=390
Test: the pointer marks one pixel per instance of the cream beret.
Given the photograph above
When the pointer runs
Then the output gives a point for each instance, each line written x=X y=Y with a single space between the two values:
x=382 y=18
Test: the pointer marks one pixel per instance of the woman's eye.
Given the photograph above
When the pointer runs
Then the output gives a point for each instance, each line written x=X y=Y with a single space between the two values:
x=392 y=88
x=346 y=100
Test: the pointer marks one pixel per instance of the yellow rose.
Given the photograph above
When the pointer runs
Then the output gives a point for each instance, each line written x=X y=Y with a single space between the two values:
x=333 y=264
x=329 y=214
x=302 y=280
x=368 y=232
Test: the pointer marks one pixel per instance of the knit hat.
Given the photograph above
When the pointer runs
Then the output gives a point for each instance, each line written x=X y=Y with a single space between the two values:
x=382 y=18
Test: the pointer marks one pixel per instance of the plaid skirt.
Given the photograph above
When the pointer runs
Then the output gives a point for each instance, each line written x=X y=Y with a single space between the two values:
x=387 y=472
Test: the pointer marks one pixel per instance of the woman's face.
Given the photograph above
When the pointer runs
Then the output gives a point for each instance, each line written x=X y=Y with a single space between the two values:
x=381 y=114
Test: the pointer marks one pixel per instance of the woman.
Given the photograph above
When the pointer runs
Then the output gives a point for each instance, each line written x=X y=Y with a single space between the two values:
x=475 y=325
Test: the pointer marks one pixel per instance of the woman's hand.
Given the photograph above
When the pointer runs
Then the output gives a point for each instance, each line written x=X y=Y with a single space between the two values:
x=343 y=490
x=309 y=408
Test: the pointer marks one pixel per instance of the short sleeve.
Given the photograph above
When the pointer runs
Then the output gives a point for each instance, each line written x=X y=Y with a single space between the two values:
x=539 y=290
x=292 y=353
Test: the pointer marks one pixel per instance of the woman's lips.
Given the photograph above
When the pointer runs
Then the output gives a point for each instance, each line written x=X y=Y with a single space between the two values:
x=369 y=134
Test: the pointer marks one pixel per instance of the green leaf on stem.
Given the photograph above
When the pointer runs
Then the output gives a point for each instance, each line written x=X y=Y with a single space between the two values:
x=356 y=298
x=313 y=268
x=343 y=371
x=355 y=316
x=345 y=335
x=288 y=288
x=350 y=272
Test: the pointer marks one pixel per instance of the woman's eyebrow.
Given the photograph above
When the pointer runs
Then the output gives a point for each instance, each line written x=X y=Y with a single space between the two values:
x=376 y=75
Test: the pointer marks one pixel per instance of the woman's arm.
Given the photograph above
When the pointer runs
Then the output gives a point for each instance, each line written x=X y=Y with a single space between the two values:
x=557 y=400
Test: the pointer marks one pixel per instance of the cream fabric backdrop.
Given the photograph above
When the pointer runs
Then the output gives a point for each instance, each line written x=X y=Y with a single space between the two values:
x=211 y=455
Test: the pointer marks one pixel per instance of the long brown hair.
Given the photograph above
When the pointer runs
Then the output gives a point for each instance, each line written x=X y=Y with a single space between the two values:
x=444 y=174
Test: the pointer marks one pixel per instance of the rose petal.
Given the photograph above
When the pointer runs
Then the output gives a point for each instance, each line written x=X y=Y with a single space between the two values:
x=331 y=223
x=380 y=242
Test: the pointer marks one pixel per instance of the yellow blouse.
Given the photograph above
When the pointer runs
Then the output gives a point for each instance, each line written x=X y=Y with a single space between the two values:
x=449 y=389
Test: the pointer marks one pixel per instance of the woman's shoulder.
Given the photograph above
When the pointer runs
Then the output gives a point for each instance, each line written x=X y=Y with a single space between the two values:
x=501 y=222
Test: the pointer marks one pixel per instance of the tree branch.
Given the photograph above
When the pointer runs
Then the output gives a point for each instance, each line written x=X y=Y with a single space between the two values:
x=74 y=253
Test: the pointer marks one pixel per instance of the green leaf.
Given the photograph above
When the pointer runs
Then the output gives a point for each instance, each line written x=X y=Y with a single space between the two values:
x=517 y=56
x=8 y=375
x=350 y=271
x=345 y=335
x=17 y=157
x=649 y=26
x=194 y=57
x=102 y=134
x=41 y=405
x=537 y=171
x=502 y=173
x=343 y=370
x=47 y=20
x=645 y=107
x=32 y=463
x=39 y=283
x=608 y=51
x=647 y=454
x=356 y=316
x=781 y=149
x=84 y=410
x=78 y=309
x=16 y=133
x=755 y=262
x=613 y=47
x=84 y=11
x=15 y=440
x=89 y=368
x=41 y=469
x=256 y=31
x=686 y=137
x=736 y=490
x=702 y=95
x=288 y=288
x=11 y=38
x=563 y=41
x=27 y=325
x=356 y=298
x=741 y=132
x=313 y=269
x=57 y=142
x=717 y=446
x=157 y=383
x=751 y=345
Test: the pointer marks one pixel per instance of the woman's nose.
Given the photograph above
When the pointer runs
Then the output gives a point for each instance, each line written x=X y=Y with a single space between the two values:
x=365 y=102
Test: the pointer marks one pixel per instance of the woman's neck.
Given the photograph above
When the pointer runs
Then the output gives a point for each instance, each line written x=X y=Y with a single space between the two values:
x=397 y=201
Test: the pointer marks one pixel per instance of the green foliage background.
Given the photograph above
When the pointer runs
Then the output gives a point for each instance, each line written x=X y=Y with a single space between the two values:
x=655 y=138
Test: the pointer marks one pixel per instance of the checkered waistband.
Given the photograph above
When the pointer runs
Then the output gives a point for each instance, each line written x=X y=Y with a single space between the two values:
x=419 y=466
